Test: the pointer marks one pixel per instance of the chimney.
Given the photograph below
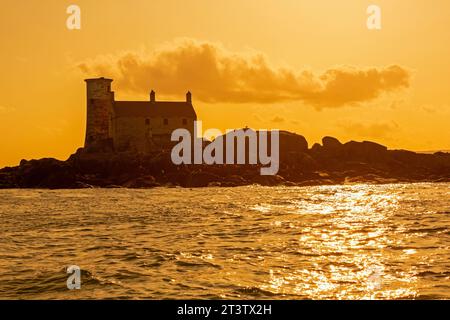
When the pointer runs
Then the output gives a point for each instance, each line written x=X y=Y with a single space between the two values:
x=189 y=97
x=152 y=96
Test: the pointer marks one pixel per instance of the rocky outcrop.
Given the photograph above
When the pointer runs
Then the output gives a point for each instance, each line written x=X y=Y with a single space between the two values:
x=291 y=142
x=331 y=162
x=45 y=173
x=330 y=143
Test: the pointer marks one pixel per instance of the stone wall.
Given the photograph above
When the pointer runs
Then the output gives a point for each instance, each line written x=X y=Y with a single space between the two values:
x=99 y=112
x=147 y=134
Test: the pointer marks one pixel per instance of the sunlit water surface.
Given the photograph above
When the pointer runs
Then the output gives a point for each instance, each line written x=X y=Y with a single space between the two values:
x=329 y=242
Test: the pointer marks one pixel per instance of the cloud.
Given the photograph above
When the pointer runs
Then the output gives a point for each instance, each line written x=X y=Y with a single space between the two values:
x=369 y=130
x=215 y=74
x=278 y=119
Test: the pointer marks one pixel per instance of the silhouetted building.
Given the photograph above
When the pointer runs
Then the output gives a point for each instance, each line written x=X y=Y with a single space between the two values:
x=137 y=126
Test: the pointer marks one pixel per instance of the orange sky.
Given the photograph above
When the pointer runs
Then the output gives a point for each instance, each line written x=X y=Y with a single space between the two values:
x=311 y=67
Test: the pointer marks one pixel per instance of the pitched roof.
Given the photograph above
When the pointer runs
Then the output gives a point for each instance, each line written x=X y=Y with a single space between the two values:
x=149 y=109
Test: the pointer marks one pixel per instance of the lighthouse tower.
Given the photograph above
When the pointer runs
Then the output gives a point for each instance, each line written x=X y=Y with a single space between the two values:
x=100 y=100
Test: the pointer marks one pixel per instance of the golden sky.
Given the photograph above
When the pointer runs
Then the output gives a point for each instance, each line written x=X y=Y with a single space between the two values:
x=311 y=67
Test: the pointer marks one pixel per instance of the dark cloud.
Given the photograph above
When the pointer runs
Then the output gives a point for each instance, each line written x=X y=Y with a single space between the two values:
x=214 y=74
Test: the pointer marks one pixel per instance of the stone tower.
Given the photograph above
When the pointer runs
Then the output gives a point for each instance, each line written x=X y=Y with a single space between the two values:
x=100 y=100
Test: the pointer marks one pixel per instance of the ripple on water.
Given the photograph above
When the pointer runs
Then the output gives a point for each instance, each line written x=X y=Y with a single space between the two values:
x=344 y=242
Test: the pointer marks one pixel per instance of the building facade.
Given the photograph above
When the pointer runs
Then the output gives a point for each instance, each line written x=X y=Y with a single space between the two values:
x=133 y=126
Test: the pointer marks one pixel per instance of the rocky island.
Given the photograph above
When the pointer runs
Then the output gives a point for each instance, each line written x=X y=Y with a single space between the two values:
x=331 y=162
x=128 y=144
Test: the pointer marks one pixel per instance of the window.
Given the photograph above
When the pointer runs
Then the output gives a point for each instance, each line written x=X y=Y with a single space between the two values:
x=147 y=121
x=184 y=121
x=166 y=122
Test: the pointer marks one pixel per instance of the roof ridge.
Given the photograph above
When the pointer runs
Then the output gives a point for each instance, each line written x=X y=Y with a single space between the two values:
x=157 y=101
x=151 y=109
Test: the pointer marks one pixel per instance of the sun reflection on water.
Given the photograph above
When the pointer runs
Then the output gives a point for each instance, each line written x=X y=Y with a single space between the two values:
x=325 y=242
x=351 y=236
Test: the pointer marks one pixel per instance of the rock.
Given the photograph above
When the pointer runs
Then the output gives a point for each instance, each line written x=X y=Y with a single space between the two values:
x=82 y=185
x=332 y=163
x=323 y=174
x=201 y=179
x=288 y=142
x=269 y=180
x=442 y=154
x=142 y=183
x=368 y=151
x=439 y=180
x=331 y=143
x=291 y=142
x=320 y=182
x=316 y=148
x=331 y=149
x=177 y=178
x=8 y=180
x=46 y=173
x=234 y=181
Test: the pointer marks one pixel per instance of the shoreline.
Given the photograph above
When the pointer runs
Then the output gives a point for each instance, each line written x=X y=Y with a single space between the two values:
x=332 y=163
x=232 y=187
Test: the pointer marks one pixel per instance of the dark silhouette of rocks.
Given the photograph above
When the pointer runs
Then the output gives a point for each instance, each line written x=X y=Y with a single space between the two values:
x=331 y=162
x=331 y=143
